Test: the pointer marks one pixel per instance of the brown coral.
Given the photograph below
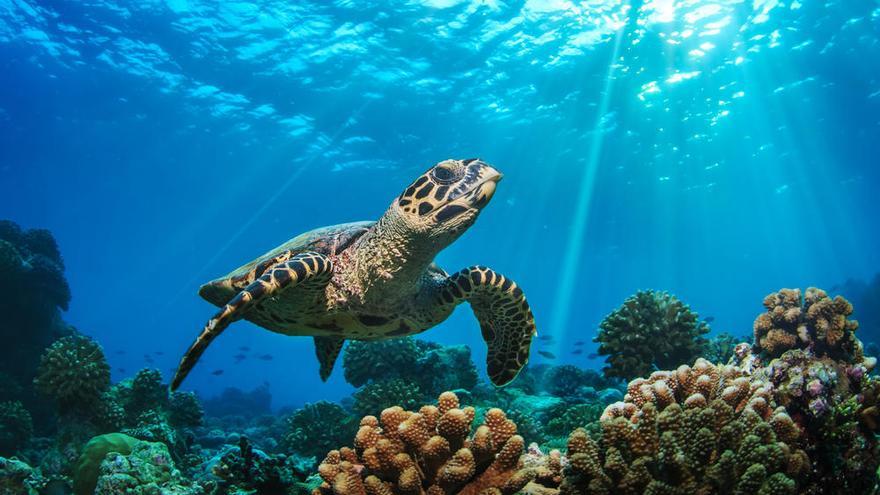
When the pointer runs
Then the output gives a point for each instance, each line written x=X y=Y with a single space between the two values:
x=700 y=429
x=429 y=452
x=814 y=321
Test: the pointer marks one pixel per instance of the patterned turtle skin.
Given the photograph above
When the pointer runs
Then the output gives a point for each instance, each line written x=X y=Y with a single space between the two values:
x=377 y=280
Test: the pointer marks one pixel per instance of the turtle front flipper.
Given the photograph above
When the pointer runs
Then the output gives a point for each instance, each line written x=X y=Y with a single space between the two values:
x=304 y=270
x=505 y=318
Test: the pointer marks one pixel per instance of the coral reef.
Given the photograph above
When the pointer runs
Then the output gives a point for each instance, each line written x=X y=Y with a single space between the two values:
x=376 y=396
x=432 y=367
x=89 y=465
x=18 y=478
x=244 y=469
x=235 y=402
x=700 y=429
x=74 y=373
x=814 y=321
x=146 y=470
x=33 y=292
x=365 y=361
x=430 y=451
x=16 y=427
x=651 y=330
x=185 y=410
x=317 y=428
x=719 y=348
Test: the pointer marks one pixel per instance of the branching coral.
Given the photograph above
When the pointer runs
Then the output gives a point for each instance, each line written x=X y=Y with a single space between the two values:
x=650 y=330
x=700 y=429
x=376 y=396
x=317 y=428
x=74 y=372
x=16 y=427
x=429 y=452
x=815 y=322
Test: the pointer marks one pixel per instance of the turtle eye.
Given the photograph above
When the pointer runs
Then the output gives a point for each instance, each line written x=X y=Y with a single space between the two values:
x=447 y=173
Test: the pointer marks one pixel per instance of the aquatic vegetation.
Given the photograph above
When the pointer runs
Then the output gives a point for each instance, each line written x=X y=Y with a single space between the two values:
x=376 y=396
x=651 y=330
x=315 y=429
x=74 y=373
x=16 y=427
x=431 y=450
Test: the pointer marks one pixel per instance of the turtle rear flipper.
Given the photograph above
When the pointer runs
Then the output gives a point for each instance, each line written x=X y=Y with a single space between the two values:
x=304 y=271
x=327 y=349
x=505 y=318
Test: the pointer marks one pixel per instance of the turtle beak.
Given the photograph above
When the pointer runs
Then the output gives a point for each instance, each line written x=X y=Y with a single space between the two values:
x=484 y=192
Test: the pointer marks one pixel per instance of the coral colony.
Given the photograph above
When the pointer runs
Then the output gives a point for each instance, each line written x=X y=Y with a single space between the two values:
x=793 y=411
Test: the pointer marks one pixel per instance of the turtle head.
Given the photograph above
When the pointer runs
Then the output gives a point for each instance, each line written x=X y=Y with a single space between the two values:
x=446 y=200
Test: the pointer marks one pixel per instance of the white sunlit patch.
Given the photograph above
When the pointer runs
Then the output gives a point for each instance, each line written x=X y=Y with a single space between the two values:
x=682 y=76
x=702 y=12
x=659 y=11
x=647 y=89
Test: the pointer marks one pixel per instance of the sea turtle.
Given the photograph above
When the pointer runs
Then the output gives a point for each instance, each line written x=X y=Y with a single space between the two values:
x=377 y=280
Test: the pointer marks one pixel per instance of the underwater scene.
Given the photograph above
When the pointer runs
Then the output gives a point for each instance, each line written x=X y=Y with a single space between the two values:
x=437 y=247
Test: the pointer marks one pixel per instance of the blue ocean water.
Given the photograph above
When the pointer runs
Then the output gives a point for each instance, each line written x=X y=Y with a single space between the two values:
x=719 y=150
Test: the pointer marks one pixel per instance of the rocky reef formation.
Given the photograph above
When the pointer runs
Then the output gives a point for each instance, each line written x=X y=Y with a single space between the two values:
x=33 y=292
x=651 y=330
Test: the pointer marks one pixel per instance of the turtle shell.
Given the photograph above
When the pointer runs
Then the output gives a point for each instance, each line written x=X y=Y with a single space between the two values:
x=328 y=241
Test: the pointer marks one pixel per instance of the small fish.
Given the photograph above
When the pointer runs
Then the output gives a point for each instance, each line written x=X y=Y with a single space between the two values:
x=159 y=353
x=244 y=348
x=239 y=358
x=578 y=351
x=148 y=358
x=545 y=337
x=548 y=355
x=121 y=370
x=217 y=372
x=120 y=352
x=579 y=343
x=265 y=357
x=592 y=355
x=709 y=319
